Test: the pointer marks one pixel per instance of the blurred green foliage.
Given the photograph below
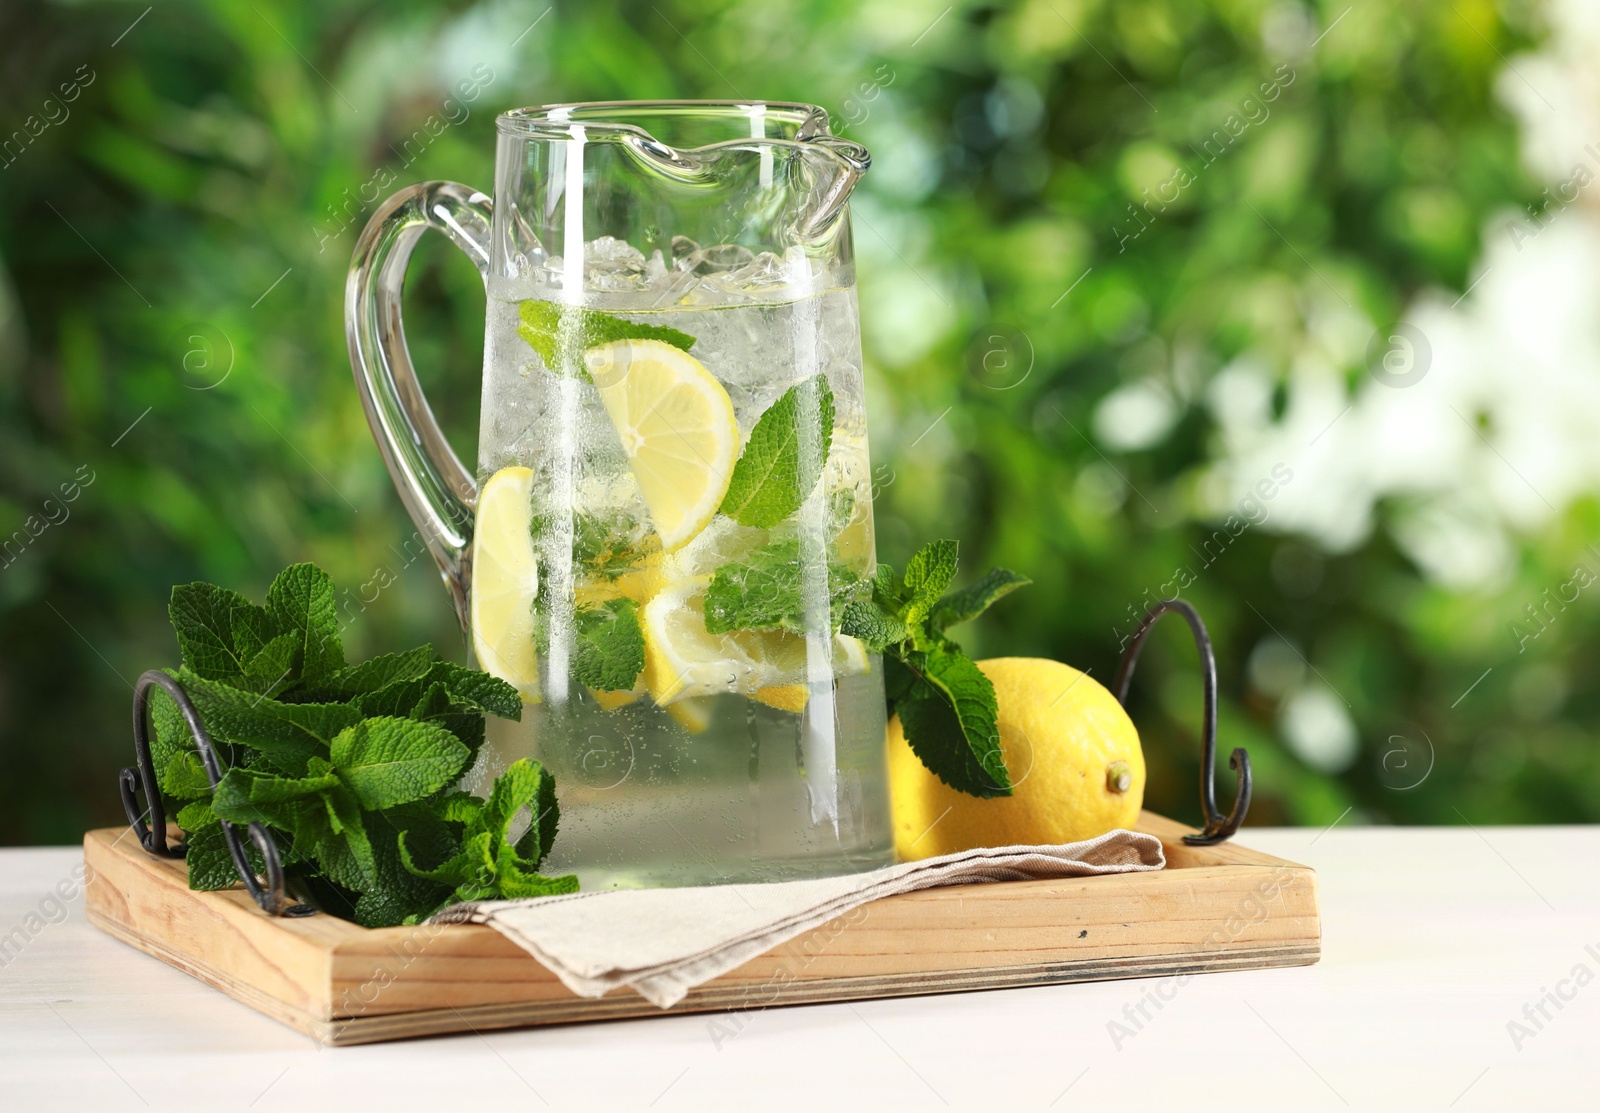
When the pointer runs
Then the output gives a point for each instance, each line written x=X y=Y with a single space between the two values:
x=171 y=294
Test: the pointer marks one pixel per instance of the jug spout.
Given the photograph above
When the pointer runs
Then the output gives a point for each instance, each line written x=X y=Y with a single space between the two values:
x=764 y=176
x=840 y=166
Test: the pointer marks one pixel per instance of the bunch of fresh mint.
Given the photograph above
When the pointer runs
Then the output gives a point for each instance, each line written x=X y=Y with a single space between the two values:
x=351 y=766
x=946 y=705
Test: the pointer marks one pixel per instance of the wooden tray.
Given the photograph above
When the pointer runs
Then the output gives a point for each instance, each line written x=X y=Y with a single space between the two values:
x=1213 y=908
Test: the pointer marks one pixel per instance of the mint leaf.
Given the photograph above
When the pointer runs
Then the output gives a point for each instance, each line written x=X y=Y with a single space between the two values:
x=211 y=864
x=429 y=700
x=477 y=690
x=949 y=717
x=975 y=598
x=783 y=458
x=928 y=573
x=542 y=322
x=388 y=761
x=271 y=669
x=608 y=653
x=604 y=545
x=289 y=734
x=516 y=881
x=300 y=601
x=524 y=784
x=335 y=835
x=486 y=866
x=172 y=751
x=397 y=894
x=867 y=622
x=204 y=618
x=544 y=817
x=381 y=671
x=195 y=815
x=459 y=807
x=765 y=591
x=469 y=690
x=184 y=776
x=249 y=796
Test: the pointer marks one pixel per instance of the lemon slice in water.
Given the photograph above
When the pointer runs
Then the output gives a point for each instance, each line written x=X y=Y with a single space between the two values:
x=682 y=659
x=505 y=582
x=677 y=428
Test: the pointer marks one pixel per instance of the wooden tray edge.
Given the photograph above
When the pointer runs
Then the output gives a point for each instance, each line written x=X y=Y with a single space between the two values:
x=306 y=997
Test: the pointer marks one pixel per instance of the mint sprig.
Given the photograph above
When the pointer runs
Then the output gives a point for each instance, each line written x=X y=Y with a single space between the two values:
x=349 y=765
x=946 y=705
x=782 y=461
x=766 y=591
x=555 y=330
x=488 y=866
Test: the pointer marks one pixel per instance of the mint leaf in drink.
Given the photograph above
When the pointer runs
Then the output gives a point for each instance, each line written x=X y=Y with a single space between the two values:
x=608 y=653
x=975 y=598
x=949 y=717
x=385 y=762
x=542 y=324
x=841 y=510
x=783 y=458
x=608 y=545
x=766 y=591
x=300 y=602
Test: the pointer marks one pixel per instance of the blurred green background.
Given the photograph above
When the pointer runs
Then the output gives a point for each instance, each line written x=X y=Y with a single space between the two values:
x=1120 y=265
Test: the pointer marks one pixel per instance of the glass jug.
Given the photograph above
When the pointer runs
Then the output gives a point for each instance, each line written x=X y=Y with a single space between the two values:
x=672 y=501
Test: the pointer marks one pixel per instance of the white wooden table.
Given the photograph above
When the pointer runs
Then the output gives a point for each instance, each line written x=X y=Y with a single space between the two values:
x=1435 y=942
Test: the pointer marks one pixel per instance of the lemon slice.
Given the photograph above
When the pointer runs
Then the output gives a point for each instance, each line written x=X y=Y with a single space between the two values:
x=693 y=714
x=849 y=659
x=682 y=659
x=610 y=701
x=785 y=697
x=677 y=428
x=505 y=582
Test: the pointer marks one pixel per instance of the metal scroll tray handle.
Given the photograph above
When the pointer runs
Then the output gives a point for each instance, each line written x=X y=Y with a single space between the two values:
x=1218 y=827
x=268 y=890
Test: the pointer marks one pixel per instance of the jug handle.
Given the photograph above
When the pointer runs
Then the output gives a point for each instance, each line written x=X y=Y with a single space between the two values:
x=438 y=492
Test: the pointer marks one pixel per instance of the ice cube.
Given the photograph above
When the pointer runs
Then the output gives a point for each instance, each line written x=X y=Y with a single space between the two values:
x=613 y=265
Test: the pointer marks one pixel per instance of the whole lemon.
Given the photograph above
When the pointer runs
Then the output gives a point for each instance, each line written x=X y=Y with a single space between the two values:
x=1076 y=767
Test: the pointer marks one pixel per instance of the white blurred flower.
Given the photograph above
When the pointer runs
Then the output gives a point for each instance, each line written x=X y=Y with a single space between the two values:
x=1318 y=728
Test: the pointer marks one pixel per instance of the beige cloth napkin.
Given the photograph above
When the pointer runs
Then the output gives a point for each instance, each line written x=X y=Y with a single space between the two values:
x=664 y=942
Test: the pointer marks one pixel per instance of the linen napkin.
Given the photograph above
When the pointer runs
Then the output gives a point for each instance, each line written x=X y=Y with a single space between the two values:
x=664 y=942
